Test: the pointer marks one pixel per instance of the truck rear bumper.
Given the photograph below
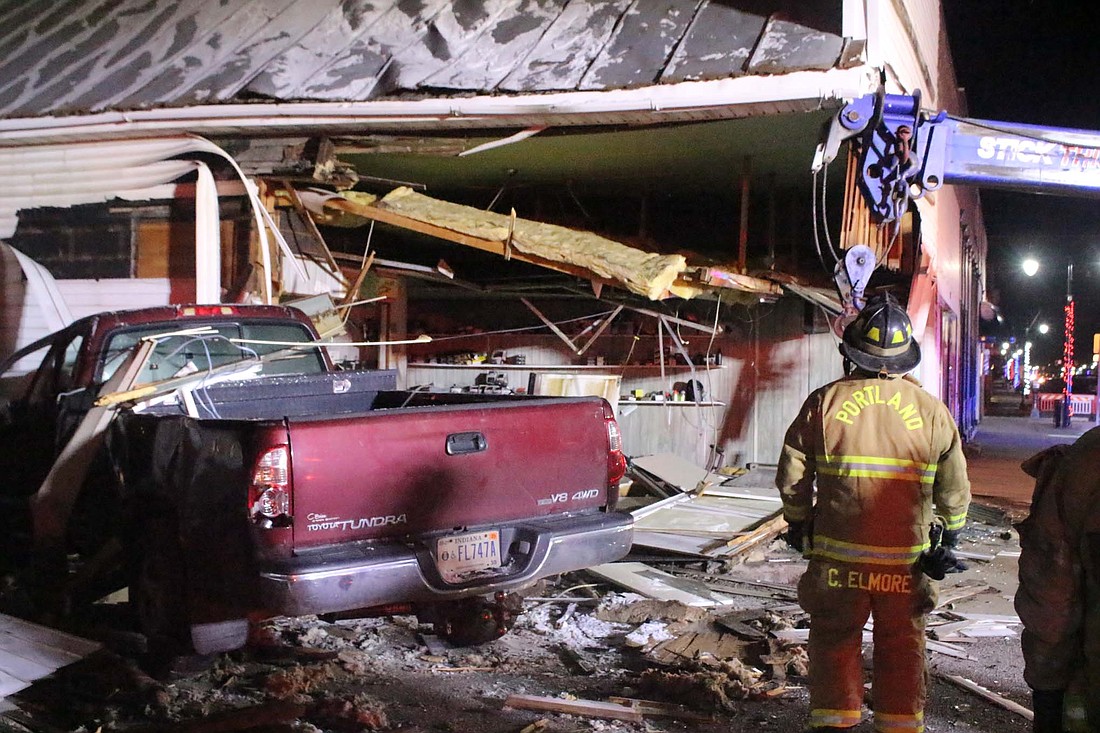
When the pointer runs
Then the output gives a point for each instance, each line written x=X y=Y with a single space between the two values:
x=345 y=579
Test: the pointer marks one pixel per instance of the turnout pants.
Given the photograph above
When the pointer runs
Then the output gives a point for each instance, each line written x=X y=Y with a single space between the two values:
x=839 y=598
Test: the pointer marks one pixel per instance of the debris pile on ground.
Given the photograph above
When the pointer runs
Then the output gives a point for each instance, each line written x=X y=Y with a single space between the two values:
x=690 y=629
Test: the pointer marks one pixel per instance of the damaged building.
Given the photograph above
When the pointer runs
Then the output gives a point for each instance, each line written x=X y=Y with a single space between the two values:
x=637 y=173
x=547 y=197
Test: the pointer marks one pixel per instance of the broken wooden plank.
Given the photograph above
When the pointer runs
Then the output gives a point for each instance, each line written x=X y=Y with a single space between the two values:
x=988 y=695
x=72 y=645
x=763 y=533
x=730 y=585
x=699 y=642
x=654 y=709
x=946 y=649
x=586 y=708
x=954 y=595
x=735 y=622
x=653 y=583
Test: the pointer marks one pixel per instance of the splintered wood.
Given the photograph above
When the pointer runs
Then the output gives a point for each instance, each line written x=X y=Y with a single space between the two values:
x=587 y=708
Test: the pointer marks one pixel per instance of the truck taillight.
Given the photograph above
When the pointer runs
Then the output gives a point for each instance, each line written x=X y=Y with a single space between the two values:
x=616 y=461
x=270 y=492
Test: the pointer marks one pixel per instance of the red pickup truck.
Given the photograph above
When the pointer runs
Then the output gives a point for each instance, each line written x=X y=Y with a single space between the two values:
x=303 y=489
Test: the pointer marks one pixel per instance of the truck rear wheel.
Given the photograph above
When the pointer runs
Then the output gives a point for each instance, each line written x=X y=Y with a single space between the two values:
x=157 y=595
x=474 y=621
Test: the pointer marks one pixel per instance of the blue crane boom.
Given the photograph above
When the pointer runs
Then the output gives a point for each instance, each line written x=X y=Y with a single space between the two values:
x=906 y=152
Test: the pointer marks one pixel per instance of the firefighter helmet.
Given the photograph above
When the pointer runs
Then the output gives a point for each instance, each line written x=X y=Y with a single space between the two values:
x=881 y=337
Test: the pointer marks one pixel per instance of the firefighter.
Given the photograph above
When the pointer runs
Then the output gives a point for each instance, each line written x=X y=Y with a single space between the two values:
x=1058 y=598
x=882 y=452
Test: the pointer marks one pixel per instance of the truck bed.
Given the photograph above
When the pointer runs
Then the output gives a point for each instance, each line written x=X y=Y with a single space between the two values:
x=392 y=491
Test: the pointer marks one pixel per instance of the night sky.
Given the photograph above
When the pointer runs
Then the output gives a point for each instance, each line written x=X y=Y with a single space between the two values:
x=1038 y=63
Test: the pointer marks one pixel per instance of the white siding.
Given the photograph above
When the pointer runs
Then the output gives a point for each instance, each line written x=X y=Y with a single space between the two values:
x=22 y=323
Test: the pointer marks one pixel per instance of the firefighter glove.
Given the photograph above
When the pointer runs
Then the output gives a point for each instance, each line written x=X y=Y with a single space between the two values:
x=796 y=537
x=939 y=562
x=940 y=558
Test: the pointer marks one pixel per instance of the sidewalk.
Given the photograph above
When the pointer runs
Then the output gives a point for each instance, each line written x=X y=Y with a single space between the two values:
x=1002 y=443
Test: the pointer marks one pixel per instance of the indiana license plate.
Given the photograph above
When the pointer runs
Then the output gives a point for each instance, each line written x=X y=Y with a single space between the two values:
x=461 y=555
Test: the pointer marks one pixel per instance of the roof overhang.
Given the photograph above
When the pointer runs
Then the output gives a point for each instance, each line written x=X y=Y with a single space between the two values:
x=693 y=101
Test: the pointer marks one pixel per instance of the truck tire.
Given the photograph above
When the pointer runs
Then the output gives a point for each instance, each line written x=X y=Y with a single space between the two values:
x=157 y=595
x=474 y=621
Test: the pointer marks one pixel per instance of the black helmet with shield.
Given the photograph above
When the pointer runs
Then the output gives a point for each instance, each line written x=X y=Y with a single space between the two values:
x=880 y=339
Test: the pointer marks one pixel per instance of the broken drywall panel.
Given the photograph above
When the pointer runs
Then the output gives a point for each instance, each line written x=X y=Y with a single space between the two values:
x=786 y=46
x=676 y=471
x=653 y=583
x=979 y=630
x=755 y=475
x=565 y=51
x=704 y=515
x=675 y=543
x=515 y=29
x=641 y=45
x=717 y=45
x=702 y=524
x=952 y=595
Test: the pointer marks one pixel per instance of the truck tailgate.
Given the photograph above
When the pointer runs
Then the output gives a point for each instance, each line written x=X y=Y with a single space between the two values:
x=404 y=471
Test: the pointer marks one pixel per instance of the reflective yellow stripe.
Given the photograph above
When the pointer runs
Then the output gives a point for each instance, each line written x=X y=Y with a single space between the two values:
x=877 y=467
x=839 y=550
x=879 y=473
x=884 y=460
x=837 y=718
x=899 y=723
x=955 y=521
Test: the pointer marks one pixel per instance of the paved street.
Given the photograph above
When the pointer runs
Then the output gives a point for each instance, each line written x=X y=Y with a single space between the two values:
x=1005 y=439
